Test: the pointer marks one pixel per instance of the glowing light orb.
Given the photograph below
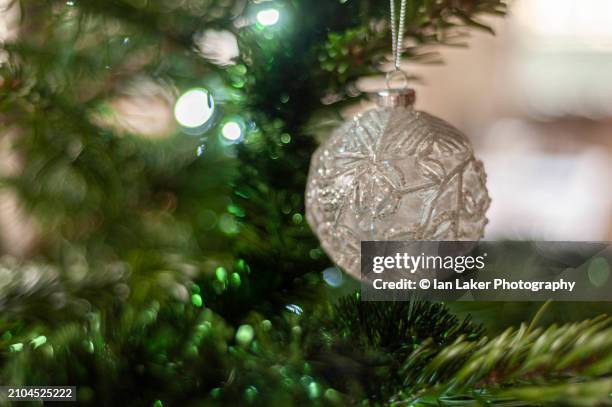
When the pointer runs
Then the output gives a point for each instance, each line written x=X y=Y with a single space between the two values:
x=194 y=108
x=231 y=131
x=268 y=17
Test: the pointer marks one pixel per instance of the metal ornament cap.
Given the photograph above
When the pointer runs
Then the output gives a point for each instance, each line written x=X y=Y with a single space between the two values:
x=396 y=98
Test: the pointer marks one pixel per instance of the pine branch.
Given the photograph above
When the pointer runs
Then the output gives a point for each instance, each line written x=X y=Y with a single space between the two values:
x=362 y=342
x=573 y=352
x=592 y=392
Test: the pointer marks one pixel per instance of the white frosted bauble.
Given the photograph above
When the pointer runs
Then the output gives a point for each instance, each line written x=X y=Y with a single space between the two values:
x=394 y=173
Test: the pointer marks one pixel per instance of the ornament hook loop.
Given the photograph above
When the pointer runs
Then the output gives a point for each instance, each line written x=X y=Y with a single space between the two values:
x=395 y=75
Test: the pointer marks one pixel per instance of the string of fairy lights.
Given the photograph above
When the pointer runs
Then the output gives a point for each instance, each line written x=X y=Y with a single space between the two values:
x=194 y=109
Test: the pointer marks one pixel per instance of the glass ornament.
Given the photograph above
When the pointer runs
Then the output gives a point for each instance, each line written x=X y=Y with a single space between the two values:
x=394 y=173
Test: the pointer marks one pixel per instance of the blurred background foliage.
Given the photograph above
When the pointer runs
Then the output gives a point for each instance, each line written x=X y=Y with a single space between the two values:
x=152 y=261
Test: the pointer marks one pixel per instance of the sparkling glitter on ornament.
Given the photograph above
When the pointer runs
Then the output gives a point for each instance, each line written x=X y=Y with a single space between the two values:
x=393 y=173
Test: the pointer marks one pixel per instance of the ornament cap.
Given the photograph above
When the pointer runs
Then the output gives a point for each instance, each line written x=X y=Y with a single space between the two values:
x=396 y=98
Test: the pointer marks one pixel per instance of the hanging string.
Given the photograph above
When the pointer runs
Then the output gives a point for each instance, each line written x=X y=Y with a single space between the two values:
x=397 y=32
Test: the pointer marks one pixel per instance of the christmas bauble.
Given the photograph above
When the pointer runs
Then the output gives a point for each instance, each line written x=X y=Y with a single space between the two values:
x=394 y=173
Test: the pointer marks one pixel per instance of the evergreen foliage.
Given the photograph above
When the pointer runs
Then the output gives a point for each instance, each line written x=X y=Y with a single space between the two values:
x=169 y=278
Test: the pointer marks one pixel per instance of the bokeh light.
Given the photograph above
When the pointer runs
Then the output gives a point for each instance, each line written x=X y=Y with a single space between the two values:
x=599 y=271
x=232 y=131
x=333 y=276
x=245 y=334
x=294 y=308
x=217 y=46
x=142 y=107
x=268 y=17
x=194 y=108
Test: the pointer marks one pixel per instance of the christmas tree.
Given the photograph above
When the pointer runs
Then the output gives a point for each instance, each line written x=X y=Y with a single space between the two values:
x=171 y=263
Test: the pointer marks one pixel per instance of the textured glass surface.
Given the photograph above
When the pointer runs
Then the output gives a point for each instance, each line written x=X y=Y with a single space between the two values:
x=394 y=174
